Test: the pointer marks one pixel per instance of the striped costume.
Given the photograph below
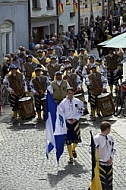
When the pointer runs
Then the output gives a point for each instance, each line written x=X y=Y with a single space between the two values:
x=105 y=146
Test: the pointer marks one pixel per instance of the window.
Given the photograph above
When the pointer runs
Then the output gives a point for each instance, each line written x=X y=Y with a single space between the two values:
x=35 y=4
x=67 y=2
x=49 y=4
x=86 y=21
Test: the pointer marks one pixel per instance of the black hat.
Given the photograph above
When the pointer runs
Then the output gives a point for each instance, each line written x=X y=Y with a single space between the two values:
x=29 y=55
x=53 y=57
x=13 y=66
x=83 y=49
x=38 y=67
x=58 y=73
x=91 y=56
x=67 y=60
x=99 y=59
x=39 y=51
x=73 y=50
x=63 y=57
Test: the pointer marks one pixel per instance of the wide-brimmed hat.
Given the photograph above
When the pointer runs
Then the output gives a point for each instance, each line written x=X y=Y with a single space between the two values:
x=99 y=59
x=73 y=50
x=38 y=67
x=53 y=57
x=58 y=73
x=67 y=60
x=13 y=66
x=91 y=56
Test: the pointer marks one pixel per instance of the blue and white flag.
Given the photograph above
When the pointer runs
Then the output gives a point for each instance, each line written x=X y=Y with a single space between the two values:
x=55 y=127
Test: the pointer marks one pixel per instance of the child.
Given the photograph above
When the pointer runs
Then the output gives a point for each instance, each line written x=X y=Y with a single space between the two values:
x=104 y=142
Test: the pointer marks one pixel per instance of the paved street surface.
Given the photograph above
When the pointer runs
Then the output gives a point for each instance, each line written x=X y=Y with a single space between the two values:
x=23 y=163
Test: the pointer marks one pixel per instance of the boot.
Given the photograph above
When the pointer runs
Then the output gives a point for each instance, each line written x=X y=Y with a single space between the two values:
x=39 y=116
x=15 y=120
x=85 y=108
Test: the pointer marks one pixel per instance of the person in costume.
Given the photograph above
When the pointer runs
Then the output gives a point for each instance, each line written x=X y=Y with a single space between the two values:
x=58 y=87
x=16 y=85
x=97 y=83
x=73 y=110
x=112 y=69
x=53 y=66
x=104 y=143
x=38 y=86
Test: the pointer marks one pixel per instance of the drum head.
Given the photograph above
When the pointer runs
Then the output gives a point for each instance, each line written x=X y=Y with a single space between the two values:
x=78 y=95
x=103 y=95
x=43 y=99
x=24 y=99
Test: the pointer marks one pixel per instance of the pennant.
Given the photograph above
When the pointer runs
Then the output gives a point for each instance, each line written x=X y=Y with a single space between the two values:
x=95 y=183
x=75 y=7
x=55 y=127
x=61 y=8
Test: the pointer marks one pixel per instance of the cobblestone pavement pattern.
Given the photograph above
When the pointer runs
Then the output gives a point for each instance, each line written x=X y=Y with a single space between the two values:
x=23 y=163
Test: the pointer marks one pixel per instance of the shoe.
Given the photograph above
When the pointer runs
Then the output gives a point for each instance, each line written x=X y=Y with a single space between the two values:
x=39 y=120
x=70 y=161
x=74 y=154
x=99 y=115
x=93 y=118
x=15 y=121
x=86 y=112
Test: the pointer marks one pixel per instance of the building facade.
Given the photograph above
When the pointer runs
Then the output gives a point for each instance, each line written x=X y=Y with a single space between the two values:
x=68 y=15
x=44 y=18
x=95 y=7
x=52 y=16
x=13 y=26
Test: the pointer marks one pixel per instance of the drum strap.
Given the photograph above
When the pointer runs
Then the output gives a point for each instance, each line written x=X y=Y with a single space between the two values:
x=70 y=82
x=38 y=84
x=94 y=79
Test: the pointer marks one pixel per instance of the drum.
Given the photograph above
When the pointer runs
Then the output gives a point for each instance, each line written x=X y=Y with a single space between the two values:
x=26 y=108
x=106 y=104
x=80 y=96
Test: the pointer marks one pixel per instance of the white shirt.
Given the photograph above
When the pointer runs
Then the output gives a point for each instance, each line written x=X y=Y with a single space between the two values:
x=105 y=146
x=72 y=109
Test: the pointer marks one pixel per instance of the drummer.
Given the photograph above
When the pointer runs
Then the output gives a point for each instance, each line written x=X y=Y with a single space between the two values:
x=38 y=86
x=17 y=87
x=97 y=83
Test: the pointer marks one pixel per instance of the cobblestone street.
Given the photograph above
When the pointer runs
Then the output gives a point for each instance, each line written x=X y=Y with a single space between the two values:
x=23 y=162
x=24 y=165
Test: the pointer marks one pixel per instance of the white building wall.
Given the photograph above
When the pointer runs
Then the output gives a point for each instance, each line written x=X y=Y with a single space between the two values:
x=65 y=19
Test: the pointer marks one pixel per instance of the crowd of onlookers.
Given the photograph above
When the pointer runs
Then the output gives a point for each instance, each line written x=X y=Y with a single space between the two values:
x=99 y=30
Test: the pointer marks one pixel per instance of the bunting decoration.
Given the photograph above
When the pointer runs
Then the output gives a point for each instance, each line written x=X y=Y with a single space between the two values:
x=74 y=6
x=61 y=8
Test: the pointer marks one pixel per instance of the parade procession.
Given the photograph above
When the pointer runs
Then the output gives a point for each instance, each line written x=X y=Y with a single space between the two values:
x=62 y=95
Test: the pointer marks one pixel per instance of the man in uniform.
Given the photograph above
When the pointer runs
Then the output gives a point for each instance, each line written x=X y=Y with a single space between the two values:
x=38 y=86
x=112 y=69
x=29 y=67
x=83 y=57
x=58 y=87
x=41 y=57
x=16 y=86
x=97 y=83
x=52 y=67
x=74 y=59
x=73 y=110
